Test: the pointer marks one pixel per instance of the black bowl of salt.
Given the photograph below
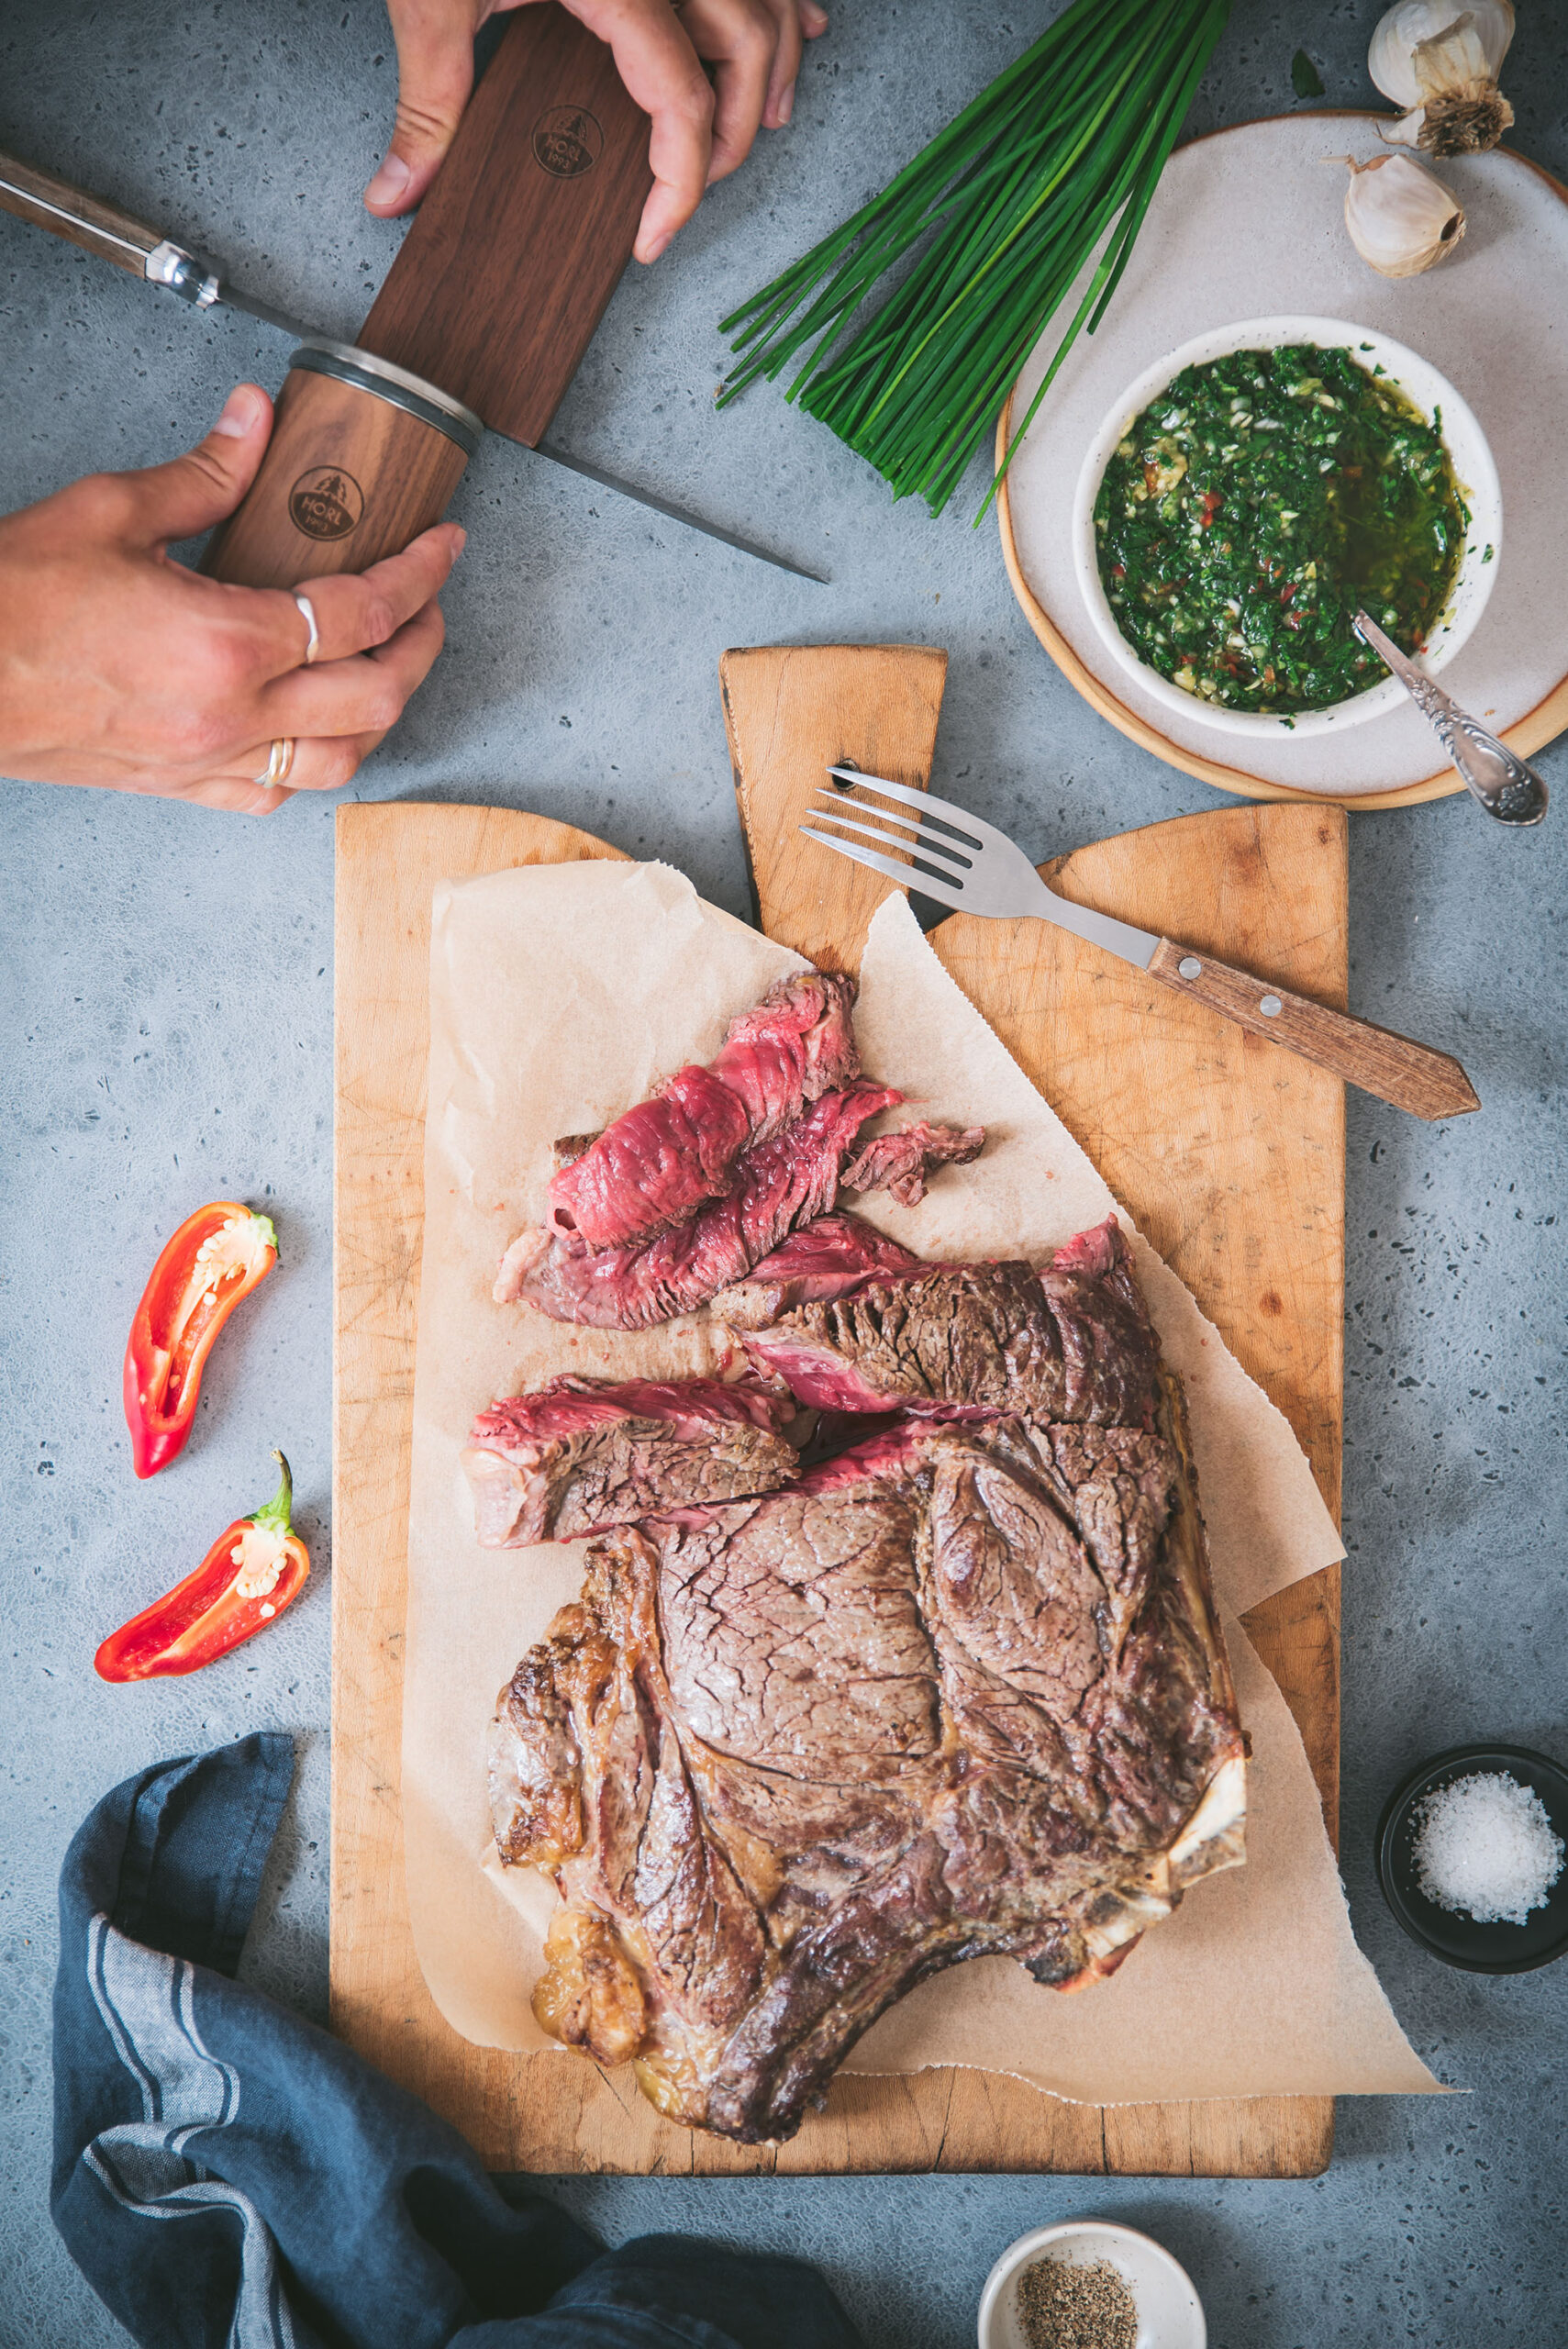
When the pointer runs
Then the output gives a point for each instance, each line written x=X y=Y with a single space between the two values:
x=1471 y=1857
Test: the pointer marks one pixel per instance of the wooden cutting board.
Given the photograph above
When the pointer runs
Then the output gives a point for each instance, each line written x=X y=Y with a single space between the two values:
x=1230 y=1153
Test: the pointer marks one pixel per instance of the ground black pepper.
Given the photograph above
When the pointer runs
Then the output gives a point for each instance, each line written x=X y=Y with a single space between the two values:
x=1062 y=2306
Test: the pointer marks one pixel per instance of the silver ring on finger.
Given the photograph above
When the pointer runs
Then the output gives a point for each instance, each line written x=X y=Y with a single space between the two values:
x=307 y=613
x=278 y=763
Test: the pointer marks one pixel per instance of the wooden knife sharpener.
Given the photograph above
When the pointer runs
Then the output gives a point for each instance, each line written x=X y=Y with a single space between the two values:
x=503 y=275
x=363 y=456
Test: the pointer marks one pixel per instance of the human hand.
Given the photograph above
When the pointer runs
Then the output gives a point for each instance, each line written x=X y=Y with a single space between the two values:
x=120 y=668
x=702 y=129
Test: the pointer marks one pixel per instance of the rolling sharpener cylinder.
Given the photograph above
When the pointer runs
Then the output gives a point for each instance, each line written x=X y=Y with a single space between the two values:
x=363 y=456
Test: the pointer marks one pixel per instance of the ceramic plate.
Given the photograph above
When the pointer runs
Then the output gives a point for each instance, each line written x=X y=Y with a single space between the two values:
x=1250 y=222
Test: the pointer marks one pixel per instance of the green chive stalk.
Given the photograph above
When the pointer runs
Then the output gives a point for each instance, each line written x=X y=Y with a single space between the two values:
x=1056 y=159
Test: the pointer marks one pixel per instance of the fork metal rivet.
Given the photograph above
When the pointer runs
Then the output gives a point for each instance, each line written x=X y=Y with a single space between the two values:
x=1189 y=966
x=1271 y=1007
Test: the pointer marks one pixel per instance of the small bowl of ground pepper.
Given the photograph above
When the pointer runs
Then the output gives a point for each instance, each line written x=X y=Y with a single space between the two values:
x=1089 y=2284
x=1253 y=490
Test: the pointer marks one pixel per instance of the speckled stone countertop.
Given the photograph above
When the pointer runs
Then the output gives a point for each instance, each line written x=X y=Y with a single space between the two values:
x=167 y=1038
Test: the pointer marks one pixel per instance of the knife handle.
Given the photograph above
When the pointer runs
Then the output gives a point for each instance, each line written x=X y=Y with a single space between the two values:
x=362 y=458
x=86 y=220
x=47 y=202
x=1412 y=1076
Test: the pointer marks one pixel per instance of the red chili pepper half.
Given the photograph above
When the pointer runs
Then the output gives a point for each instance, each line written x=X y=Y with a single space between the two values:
x=217 y=1257
x=246 y=1578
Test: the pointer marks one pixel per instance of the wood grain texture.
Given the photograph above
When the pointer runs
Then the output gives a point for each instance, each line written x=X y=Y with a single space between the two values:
x=1412 y=1076
x=1242 y=1191
x=877 y=707
x=505 y=271
x=69 y=211
x=336 y=451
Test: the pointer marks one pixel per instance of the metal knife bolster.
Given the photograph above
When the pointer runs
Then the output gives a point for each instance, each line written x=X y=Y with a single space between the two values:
x=171 y=265
x=1138 y=947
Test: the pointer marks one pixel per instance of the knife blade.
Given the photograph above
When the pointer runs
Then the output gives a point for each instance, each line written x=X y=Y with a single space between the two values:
x=48 y=202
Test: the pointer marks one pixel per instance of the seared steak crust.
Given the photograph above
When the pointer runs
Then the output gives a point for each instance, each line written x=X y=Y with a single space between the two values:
x=958 y=1691
x=580 y=1454
x=1072 y=1342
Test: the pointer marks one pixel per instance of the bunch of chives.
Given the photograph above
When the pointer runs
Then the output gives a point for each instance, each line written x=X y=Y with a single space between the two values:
x=1011 y=202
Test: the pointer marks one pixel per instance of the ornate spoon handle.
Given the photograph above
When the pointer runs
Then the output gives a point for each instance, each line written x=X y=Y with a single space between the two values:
x=1507 y=789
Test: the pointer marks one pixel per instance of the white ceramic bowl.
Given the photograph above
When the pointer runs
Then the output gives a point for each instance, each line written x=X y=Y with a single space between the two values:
x=1170 y=2314
x=1473 y=470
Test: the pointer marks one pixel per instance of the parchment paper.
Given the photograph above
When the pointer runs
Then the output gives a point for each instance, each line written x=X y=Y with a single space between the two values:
x=559 y=995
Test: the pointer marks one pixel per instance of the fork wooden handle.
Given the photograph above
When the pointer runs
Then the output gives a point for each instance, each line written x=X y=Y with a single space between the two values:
x=1412 y=1076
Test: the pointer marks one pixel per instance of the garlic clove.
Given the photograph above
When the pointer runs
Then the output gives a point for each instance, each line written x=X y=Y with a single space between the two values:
x=1400 y=215
x=1440 y=65
x=1406 y=131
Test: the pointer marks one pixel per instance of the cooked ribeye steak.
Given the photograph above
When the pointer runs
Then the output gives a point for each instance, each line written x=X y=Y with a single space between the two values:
x=1071 y=1341
x=779 y=1184
x=960 y=1691
x=580 y=1455
x=826 y=1258
x=657 y=1163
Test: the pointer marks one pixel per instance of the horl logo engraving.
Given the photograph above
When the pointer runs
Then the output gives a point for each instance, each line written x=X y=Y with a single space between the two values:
x=567 y=141
x=326 y=503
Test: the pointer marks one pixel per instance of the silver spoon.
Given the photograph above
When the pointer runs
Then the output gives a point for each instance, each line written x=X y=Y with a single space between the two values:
x=1510 y=791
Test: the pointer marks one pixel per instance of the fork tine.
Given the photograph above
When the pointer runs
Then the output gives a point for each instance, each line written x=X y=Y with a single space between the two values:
x=889 y=838
x=904 y=791
x=974 y=829
x=930 y=886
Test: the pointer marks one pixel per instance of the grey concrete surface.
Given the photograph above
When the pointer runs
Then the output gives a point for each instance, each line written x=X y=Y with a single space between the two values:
x=168 y=1000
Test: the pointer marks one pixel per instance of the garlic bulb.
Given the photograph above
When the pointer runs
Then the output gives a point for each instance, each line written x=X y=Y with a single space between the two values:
x=1400 y=215
x=1441 y=63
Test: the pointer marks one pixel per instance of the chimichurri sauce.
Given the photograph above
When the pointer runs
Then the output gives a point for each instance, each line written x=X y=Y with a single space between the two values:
x=1255 y=505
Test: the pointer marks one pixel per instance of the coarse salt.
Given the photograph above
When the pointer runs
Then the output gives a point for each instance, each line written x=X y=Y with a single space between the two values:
x=1485 y=1848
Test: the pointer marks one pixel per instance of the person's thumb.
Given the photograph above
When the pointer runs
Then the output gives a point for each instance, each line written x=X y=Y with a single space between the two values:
x=435 y=81
x=191 y=493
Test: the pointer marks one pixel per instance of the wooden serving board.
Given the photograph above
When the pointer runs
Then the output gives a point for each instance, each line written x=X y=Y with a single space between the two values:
x=1230 y=1153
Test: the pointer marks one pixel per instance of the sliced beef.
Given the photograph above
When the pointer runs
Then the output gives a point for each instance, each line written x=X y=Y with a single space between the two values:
x=1070 y=1343
x=900 y=1162
x=824 y=1259
x=777 y=1185
x=658 y=1164
x=958 y=1691
x=580 y=1454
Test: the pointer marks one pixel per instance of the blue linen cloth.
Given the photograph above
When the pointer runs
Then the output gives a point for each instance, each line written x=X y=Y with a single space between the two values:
x=228 y=2176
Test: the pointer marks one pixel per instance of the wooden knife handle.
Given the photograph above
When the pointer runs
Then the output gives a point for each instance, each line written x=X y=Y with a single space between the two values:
x=1412 y=1076
x=69 y=212
x=348 y=477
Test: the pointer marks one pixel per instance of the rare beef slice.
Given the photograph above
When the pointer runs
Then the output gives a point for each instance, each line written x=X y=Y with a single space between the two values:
x=958 y=1691
x=580 y=1455
x=682 y=1194
x=776 y=1184
x=659 y=1162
